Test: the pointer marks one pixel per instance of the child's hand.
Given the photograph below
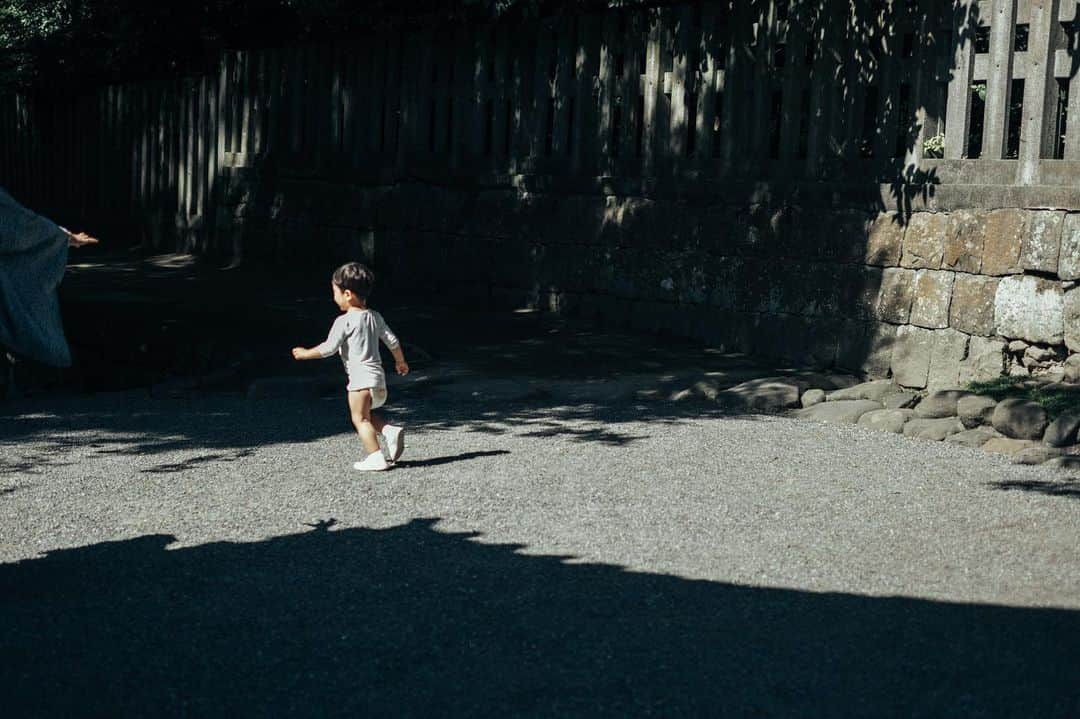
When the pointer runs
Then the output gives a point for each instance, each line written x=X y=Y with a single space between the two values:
x=402 y=367
x=298 y=353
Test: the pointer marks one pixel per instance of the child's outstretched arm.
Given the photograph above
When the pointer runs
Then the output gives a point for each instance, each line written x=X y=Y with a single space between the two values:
x=327 y=348
x=394 y=345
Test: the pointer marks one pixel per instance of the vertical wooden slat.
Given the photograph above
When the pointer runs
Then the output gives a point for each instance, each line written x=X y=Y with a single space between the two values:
x=171 y=158
x=889 y=80
x=349 y=107
x=523 y=95
x=274 y=102
x=246 y=91
x=1072 y=126
x=610 y=47
x=795 y=77
x=733 y=130
x=361 y=116
x=157 y=182
x=675 y=143
x=475 y=92
x=202 y=132
x=562 y=88
x=583 y=157
x=703 y=72
x=326 y=113
x=146 y=131
x=827 y=32
x=213 y=158
x=180 y=148
x=377 y=98
x=190 y=125
x=922 y=83
x=628 y=88
x=236 y=104
x=294 y=102
x=652 y=91
x=958 y=113
x=760 y=92
x=259 y=104
x=129 y=147
x=460 y=100
x=848 y=93
x=407 y=101
x=502 y=94
x=1037 y=130
x=999 y=84
x=542 y=88
x=221 y=106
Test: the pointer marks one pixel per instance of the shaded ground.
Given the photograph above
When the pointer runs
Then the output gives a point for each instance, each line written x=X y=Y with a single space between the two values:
x=216 y=556
x=163 y=323
x=133 y=322
x=535 y=553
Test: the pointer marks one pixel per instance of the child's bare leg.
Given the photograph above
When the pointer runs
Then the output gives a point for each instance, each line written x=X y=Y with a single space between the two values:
x=360 y=411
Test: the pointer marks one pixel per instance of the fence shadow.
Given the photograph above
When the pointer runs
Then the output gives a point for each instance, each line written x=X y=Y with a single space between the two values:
x=411 y=621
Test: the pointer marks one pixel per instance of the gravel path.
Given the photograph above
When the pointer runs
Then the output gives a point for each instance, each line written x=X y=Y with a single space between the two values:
x=215 y=555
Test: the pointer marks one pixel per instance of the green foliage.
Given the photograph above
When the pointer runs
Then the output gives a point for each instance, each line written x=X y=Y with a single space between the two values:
x=934 y=146
x=1055 y=399
x=50 y=42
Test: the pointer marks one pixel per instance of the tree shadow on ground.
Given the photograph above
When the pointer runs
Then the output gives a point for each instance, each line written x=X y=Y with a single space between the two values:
x=38 y=433
x=411 y=621
x=1067 y=487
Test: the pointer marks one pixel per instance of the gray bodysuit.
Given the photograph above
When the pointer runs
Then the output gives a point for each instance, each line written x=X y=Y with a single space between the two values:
x=355 y=336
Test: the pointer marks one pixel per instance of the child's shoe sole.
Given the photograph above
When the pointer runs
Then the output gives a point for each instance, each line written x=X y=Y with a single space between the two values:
x=379 y=464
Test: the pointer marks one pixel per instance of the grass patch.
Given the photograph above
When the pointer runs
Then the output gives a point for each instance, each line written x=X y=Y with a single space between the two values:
x=1055 y=400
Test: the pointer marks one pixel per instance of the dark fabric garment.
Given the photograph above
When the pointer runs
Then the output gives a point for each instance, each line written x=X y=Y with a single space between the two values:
x=33 y=255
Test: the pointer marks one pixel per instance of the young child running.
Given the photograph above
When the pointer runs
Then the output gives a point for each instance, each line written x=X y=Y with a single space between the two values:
x=355 y=336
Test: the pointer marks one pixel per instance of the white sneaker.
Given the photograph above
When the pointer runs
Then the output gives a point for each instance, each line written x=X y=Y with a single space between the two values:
x=395 y=441
x=374 y=462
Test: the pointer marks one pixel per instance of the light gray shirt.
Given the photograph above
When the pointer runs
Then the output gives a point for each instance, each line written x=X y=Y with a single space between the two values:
x=355 y=336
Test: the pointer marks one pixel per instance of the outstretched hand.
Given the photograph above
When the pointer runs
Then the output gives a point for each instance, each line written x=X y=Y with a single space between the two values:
x=80 y=239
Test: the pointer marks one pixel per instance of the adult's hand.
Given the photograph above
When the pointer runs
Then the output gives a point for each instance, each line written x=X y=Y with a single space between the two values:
x=80 y=239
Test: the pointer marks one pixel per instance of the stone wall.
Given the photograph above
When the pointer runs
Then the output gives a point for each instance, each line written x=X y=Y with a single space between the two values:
x=932 y=298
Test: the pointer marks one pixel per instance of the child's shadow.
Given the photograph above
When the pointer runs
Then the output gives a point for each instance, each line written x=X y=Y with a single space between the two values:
x=435 y=461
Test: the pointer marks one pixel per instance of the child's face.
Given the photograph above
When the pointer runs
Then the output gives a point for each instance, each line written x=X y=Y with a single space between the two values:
x=342 y=298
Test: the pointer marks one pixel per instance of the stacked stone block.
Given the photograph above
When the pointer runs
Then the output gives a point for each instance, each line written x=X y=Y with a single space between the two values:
x=969 y=282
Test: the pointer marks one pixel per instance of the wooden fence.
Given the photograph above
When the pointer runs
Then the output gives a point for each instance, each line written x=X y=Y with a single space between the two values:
x=958 y=92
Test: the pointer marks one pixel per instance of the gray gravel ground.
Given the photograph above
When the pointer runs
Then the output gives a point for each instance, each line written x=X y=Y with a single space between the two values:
x=216 y=555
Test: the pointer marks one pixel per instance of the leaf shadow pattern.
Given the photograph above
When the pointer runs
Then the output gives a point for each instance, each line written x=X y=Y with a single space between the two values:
x=229 y=428
x=413 y=621
x=202 y=459
x=1068 y=487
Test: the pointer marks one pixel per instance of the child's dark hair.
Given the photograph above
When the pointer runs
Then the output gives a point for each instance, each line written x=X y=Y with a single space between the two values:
x=356 y=278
